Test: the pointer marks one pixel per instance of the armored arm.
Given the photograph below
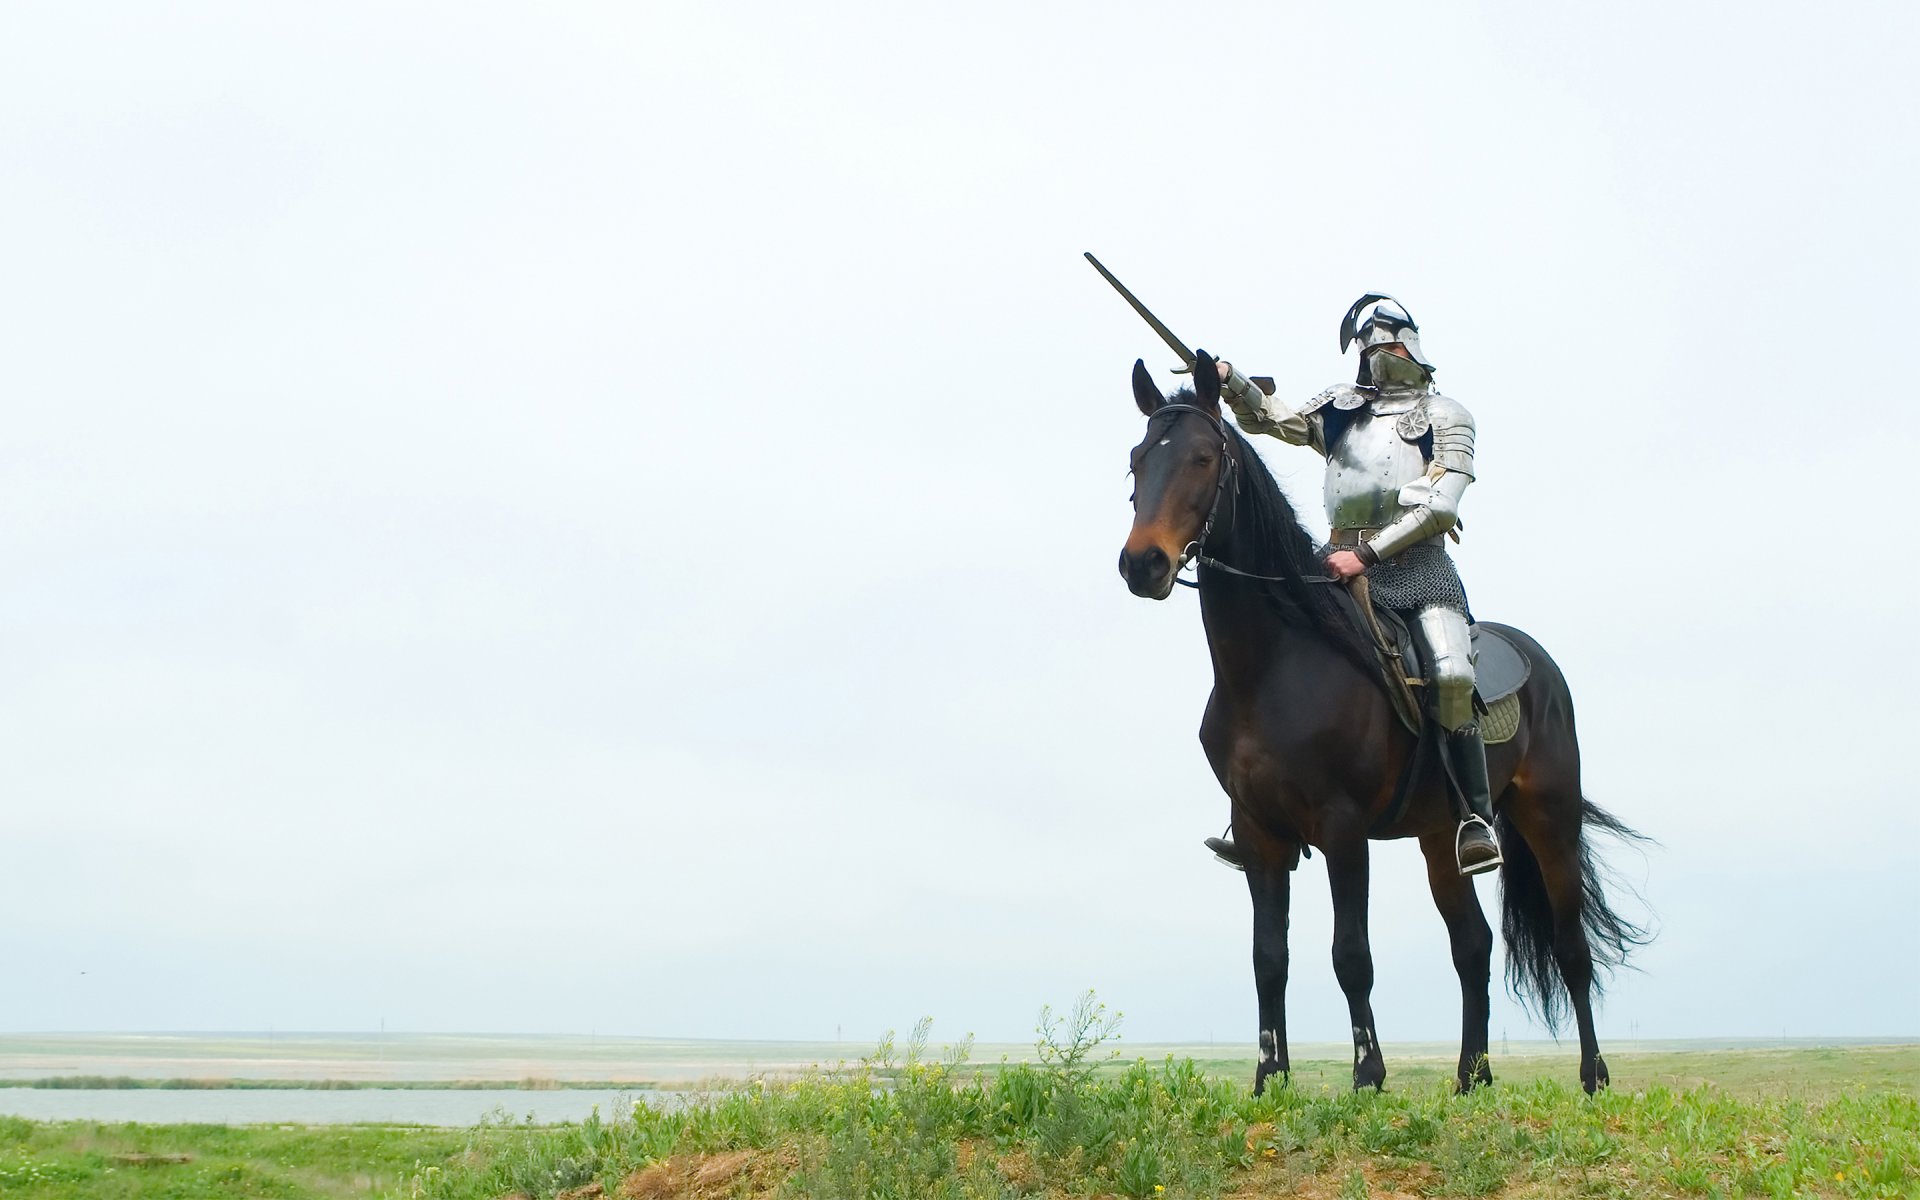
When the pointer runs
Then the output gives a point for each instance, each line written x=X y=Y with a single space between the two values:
x=1258 y=412
x=1432 y=502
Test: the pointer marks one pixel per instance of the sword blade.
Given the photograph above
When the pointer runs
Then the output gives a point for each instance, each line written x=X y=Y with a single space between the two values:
x=1166 y=335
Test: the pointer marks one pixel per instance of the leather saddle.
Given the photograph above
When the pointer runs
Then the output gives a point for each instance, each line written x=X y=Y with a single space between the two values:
x=1499 y=666
x=1499 y=669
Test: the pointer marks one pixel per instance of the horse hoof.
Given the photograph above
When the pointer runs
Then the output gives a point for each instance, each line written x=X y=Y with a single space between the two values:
x=1594 y=1077
x=1369 y=1075
x=1473 y=1073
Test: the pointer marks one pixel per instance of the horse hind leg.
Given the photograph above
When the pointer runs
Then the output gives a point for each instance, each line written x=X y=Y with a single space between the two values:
x=1547 y=893
x=1472 y=942
x=1574 y=954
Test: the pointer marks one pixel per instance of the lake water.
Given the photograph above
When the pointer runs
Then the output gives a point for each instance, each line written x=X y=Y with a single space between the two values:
x=386 y=1106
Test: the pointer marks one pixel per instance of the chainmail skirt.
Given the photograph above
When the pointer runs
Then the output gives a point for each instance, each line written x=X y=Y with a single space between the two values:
x=1418 y=577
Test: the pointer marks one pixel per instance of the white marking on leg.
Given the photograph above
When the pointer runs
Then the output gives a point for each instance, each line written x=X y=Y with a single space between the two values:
x=1269 y=1045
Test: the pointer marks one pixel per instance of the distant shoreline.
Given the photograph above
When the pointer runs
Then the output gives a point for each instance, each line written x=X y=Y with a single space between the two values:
x=520 y=1064
x=115 y=1083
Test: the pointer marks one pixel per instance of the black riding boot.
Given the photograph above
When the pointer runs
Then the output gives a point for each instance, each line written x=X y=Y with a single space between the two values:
x=1224 y=850
x=1475 y=849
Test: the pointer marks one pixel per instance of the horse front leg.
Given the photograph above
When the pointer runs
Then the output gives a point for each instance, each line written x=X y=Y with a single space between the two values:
x=1472 y=941
x=1347 y=875
x=1271 y=886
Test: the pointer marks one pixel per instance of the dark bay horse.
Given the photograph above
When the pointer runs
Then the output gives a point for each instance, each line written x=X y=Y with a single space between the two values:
x=1302 y=738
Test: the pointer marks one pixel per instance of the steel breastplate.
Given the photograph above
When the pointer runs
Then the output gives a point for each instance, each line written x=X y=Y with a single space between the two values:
x=1369 y=465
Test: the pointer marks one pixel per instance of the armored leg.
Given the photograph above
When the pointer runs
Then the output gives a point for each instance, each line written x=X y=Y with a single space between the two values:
x=1451 y=646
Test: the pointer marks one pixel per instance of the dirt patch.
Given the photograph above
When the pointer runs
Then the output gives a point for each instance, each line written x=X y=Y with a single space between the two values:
x=706 y=1177
x=651 y=1183
x=1017 y=1168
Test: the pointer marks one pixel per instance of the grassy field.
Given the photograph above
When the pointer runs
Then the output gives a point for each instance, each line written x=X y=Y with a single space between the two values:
x=904 y=1123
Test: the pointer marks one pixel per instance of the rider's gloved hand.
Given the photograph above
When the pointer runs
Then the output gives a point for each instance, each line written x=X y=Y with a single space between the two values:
x=1345 y=564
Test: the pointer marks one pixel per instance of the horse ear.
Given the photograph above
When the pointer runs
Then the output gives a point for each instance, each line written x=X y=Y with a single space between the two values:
x=1206 y=379
x=1145 y=393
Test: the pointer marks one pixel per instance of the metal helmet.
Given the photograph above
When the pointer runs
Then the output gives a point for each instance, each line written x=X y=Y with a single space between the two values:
x=1377 y=319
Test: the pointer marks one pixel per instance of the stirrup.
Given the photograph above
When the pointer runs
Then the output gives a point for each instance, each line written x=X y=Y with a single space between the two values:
x=1485 y=864
x=1223 y=852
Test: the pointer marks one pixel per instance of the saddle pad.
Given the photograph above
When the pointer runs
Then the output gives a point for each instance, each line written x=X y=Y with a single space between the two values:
x=1499 y=666
x=1501 y=722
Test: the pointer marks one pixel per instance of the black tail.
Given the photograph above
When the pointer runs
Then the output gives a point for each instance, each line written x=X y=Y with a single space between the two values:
x=1526 y=916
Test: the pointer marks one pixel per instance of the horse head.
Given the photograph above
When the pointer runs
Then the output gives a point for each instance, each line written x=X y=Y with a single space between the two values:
x=1179 y=470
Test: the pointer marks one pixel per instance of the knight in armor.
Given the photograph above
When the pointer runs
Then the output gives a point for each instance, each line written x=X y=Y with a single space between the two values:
x=1399 y=456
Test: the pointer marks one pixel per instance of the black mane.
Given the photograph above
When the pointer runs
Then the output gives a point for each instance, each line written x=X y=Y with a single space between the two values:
x=1268 y=539
x=1273 y=542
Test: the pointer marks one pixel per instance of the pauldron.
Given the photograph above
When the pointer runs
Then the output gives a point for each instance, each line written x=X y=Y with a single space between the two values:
x=1343 y=396
x=1428 y=413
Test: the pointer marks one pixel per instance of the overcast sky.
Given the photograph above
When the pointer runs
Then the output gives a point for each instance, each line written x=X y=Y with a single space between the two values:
x=567 y=518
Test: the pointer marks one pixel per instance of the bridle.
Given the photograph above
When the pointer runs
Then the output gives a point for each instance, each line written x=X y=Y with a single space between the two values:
x=1195 y=550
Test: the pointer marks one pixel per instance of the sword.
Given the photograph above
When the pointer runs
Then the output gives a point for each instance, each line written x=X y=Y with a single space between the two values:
x=1166 y=335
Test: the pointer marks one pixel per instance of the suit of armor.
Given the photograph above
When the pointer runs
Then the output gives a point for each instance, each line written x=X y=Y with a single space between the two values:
x=1401 y=458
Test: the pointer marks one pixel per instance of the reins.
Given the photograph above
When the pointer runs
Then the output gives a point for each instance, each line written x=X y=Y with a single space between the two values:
x=1195 y=551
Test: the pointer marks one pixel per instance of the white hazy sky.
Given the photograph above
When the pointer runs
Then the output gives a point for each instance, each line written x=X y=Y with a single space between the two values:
x=565 y=518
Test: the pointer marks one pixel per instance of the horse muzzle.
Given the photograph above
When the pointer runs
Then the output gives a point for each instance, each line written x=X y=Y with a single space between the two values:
x=1148 y=570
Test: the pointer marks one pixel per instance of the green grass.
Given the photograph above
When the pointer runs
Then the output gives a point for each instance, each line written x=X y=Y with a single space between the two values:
x=1161 y=1129
x=1063 y=1128
x=1807 y=1072
x=76 y=1159
x=903 y=1124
